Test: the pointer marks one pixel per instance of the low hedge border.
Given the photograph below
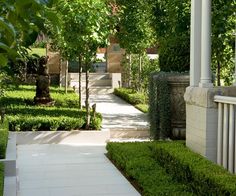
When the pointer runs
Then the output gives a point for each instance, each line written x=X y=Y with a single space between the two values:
x=23 y=115
x=1 y=178
x=137 y=162
x=3 y=139
x=134 y=98
x=201 y=175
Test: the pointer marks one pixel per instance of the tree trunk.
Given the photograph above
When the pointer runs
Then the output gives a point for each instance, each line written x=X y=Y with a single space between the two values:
x=129 y=71
x=66 y=76
x=218 y=73
x=139 y=72
x=87 y=98
x=80 y=93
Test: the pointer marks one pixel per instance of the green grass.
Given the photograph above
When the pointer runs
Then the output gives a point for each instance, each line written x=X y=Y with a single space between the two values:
x=1 y=178
x=23 y=115
x=170 y=168
x=137 y=99
x=3 y=139
x=38 y=51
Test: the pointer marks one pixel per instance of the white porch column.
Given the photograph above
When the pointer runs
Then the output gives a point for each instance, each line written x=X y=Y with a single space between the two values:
x=206 y=80
x=235 y=60
x=195 y=44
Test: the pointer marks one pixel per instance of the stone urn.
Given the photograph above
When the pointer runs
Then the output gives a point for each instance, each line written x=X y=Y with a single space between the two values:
x=178 y=85
x=42 y=84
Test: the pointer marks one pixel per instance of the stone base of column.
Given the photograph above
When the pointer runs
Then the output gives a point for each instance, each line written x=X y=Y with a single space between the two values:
x=202 y=119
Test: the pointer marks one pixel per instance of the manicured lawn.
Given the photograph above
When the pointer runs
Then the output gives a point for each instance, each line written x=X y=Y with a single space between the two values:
x=23 y=115
x=137 y=99
x=170 y=168
x=38 y=51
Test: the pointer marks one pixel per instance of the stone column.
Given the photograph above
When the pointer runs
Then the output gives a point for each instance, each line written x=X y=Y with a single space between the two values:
x=206 y=80
x=195 y=45
x=235 y=62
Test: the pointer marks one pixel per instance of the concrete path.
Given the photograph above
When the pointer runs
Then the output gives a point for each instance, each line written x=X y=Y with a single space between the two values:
x=64 y=170
x=120 y=116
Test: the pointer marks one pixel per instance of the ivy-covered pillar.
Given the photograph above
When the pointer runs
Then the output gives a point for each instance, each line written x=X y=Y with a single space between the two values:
x=206 y=80
x=195 y=44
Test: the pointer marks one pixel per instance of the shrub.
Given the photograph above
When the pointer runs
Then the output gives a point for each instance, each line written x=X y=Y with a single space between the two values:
x=159 y=105
x=1 y=178
x=137 y=162
x=174 y=54
x=3 y=139
x=201 y=175
x=131 y=96
x=23 y=115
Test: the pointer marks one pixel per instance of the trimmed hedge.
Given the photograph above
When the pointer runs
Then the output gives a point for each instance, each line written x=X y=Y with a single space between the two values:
x=133 y=97
x=3 y=139
x=23 y=115
x=137 y=162
x=1 y=178
x=201 y=175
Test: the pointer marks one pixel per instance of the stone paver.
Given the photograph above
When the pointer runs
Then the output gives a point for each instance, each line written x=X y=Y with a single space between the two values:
x=64 y=170
x=118 y=114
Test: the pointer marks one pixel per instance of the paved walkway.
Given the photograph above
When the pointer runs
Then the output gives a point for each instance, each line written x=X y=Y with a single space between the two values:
x=70 y=170
x=118 y=114
x=63 y=170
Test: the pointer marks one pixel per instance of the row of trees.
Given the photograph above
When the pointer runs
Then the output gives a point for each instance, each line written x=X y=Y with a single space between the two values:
x=84 y=26
x=166 y=25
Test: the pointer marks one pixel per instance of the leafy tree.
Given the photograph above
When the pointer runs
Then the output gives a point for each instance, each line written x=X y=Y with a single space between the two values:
x=20 y=23
x=83 y=28
x=223 y=40
x=135 y=32
x=172 y=26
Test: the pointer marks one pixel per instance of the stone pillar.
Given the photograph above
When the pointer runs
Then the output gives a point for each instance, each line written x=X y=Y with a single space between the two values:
x=235 y=62
x=206 y=80
x=195 y=45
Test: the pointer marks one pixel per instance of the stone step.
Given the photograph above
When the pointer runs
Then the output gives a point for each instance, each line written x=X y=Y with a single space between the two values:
x=92 y=76
x=103 y=82
x=100 y=90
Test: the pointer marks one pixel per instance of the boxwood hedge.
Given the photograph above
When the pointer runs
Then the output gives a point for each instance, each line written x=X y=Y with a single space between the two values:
x=3 y=139
x=170 y=168
x=200 y=174
x=137 y=162
x=23 y=115
x=1 y=178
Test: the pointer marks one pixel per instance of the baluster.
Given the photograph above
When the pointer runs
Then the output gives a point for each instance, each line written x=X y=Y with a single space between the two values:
x=225 y=136
x=231 y=138
x=220 y=134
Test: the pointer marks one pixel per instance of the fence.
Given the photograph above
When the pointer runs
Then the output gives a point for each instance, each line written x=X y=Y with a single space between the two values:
x=226 y=136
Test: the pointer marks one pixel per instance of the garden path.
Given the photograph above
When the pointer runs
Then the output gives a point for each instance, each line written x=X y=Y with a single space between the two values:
x=66 y=170
x=121 y=117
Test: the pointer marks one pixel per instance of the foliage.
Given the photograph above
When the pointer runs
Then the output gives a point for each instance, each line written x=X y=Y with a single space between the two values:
x=131 y=96
x=142 y=107
x=223 y=39
x=3 y=138
x=174 y=54
x=201 y=175
x=172 y=27
x=135 y=32
x=1 y=178
x=37 y=51
x=137 y=162
x=148 y=66
x=39 y=44
x=23 y=115
x=159 y=105
x=18 y=28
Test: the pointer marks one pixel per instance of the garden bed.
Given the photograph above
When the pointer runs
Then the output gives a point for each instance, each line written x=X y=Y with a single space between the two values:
x=137 y=99
x=170 y=168
x=23 y=115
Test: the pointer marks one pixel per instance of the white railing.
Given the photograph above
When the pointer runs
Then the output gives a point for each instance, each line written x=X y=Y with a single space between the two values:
x=226 y=137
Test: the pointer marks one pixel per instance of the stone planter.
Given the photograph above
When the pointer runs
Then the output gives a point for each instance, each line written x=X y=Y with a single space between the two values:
x=178 y=85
